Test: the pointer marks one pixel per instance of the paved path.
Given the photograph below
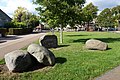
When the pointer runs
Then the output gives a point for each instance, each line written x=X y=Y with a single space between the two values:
x=111 y=75
x=17 y=42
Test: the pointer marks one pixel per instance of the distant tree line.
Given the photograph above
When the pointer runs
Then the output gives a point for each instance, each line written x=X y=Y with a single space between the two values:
x=60 y=13
x=109 y=17
x=22 y=18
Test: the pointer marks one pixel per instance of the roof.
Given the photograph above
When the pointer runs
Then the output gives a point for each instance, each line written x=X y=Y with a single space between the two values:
x=5 y=14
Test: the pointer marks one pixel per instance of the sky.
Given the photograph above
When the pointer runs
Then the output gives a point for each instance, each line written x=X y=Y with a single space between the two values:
x=9 y=6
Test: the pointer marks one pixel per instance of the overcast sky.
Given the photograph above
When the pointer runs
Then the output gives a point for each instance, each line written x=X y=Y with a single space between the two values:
x=9 y=6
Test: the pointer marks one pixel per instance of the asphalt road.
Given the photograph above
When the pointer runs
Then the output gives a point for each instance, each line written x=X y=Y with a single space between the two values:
x=14 y=42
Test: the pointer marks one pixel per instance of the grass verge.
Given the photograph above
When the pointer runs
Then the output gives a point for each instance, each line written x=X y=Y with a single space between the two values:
x=74 y=62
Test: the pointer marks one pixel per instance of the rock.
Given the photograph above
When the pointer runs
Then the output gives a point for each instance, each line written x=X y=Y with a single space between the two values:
x=42 y=54
x=18 y=61
x=49 y=41
x=96 y=45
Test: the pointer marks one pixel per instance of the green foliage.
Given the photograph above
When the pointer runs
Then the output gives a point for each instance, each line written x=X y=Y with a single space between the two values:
x=19 y=31
x=2 y=61
x=105 y=18
x=116 y=15
x=15 y=25
x=74 y=62
x=33 y=21
x=116 y=12
x=20 y=14
x=60 y=12
x=24 y=19
x=9 y=25
x=109 y=17
x=19 y=25
x=90 y=12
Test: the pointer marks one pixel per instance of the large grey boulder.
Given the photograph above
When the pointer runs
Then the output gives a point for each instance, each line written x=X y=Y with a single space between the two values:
x=18 y=61
x=49 y=41
x=96 y=45
x=42 y=54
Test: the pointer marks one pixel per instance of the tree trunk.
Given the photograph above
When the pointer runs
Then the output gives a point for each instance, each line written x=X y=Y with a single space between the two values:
x=118 y=23
x=61 y=34
x=88 y=26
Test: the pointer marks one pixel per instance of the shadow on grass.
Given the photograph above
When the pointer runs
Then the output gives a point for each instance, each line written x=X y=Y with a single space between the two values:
x=36 y=65
x=107 y=40
x=109 y=48
x=75 y=35
x=63 y=46
x=60 y=60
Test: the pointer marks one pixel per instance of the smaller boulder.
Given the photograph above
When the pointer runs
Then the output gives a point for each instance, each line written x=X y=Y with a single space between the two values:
x=96 y=45
x=49 y=41
x=42 y=54
x=18 y=61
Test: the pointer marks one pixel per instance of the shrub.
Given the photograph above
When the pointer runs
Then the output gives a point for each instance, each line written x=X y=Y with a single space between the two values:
x=9 y=25
x=19 y=31
x=3 y=32
x=15 y=25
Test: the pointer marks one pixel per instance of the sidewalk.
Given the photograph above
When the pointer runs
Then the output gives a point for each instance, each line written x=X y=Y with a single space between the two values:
x=17 y=42
x=111 y=75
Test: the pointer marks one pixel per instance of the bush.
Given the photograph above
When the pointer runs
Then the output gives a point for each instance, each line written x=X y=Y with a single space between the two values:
x=9 y=25
x=19 y=31
x=15 y=25
x=3 y=32
x=19 y=25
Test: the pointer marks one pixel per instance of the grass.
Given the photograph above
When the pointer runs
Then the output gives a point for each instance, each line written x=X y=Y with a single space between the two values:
x=2 y=61
x=74 y=62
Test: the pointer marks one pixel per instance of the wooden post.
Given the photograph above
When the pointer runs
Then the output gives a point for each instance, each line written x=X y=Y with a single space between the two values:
x=61 y=34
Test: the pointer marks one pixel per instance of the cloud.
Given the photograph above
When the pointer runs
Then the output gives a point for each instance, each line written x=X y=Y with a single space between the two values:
x=11 y=5
x=102 y=4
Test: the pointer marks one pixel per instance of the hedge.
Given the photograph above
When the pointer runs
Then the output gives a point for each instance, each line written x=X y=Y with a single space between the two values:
x=19 y=31
x=3 y=32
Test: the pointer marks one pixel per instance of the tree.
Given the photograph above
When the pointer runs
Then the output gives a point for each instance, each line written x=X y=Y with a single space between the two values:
x=60 y=12
x=20 y=14
x=33 y=21
x=116 y=15
x=105 y=18
x=90 y=13
x=25 y=19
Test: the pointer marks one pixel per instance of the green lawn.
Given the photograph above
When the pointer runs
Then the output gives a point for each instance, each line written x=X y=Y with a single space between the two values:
x=74 y=62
